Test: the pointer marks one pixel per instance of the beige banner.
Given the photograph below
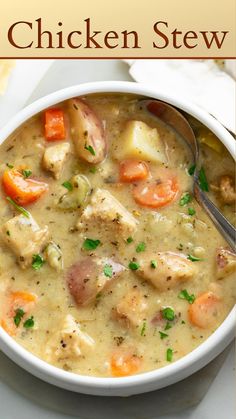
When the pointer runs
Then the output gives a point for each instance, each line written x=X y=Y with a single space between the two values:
x=121 y=29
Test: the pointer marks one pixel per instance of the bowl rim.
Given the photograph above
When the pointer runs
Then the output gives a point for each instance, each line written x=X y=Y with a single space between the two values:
x=146 y=381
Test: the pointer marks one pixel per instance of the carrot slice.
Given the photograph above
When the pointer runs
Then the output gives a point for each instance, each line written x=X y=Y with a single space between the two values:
x=156 y=194
x=124 y=363
x=22 y=191
x=23 y=296
x=205 y=310
x=17 y=299
x=7 y=328
x=54 y=125
x=133 y=170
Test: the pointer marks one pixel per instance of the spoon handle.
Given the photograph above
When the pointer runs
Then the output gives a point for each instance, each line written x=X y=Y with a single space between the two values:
x=222 y=224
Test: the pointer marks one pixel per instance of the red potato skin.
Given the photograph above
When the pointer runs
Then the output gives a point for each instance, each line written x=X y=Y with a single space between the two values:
x=87 y=131
x=83 y=278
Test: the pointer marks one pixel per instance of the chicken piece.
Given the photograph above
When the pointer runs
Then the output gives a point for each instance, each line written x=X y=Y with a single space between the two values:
x=227 y=189
x=54 y=158
x=88 y=277
x=166 y=270
x=25 y=238
x=130 y=311
x=87 y=132
x=105 y=209
x=69 y=342
x=225 y=262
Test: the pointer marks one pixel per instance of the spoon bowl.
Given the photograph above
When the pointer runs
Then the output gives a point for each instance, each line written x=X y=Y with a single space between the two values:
x=176 y=120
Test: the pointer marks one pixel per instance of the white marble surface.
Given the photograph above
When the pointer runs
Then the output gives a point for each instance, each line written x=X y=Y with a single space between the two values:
x=208 y=394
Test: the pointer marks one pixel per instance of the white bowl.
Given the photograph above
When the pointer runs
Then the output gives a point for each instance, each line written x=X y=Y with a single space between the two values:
x=147 y=381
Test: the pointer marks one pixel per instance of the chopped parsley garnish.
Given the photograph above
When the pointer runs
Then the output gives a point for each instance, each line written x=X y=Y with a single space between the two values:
x=203 y=180
x=29 y=323
x=9 y=165
x=68 y=185
x=185 y=199
x=184 y=295
x=26 y=173
x=153 y=264
x=168 y=326
x=90 y=244
x=163 y=335
x=168 y=313
x=191 y=211
x=18 y=207
x=141 y=247
x=180 y=247
x=130 y=240
x=194 y=258
x=90 y=149
x=108 y=271
x=143 y=329
x=8 y=233
x=19 y=313
x=169 y=354
x=93 y=169
x=191 y=170
x=134 y=265
x=37 y=262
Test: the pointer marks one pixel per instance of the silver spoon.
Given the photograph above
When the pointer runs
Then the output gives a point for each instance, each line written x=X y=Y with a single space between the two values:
x=179 y=123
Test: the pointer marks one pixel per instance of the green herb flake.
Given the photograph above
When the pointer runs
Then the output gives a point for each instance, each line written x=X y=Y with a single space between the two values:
x=29 y=323
x=37 y=262
x=191 y=170
x=19 y=313
x=9 y=165
x=144 y=326
x=168 y=313
x=191 y=211
x=8 y=233
x=90 y=244
x=26 y=173
x=168 y=326
x=68 y=185
x=153 y=264
x=129 y=240
x=90 y=149
x=141 y=247
x=134 y=266
x=108 y=271
x=184 y=295
x=169 y=354
x=180 y=246
x=183 y=322
x=203 y=180
x=18 y=207
x=93 y=169
x=185 y=199
x=194 y=258
x=163 y=335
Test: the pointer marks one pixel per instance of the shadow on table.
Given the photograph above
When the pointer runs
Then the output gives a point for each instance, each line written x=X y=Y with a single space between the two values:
x=176 y=398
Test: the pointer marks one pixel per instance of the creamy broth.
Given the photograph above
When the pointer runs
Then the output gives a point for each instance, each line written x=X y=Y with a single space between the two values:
x=111 y=288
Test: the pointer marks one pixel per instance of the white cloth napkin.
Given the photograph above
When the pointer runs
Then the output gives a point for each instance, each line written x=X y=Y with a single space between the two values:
x=200 y=81
x=24 y=77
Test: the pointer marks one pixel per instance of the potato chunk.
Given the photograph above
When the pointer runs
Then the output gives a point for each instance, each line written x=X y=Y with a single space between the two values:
x=25 y=238
x=87 y=132
x=140 y=141
x=69 y=342
x=55 y=157
x=167 y=271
